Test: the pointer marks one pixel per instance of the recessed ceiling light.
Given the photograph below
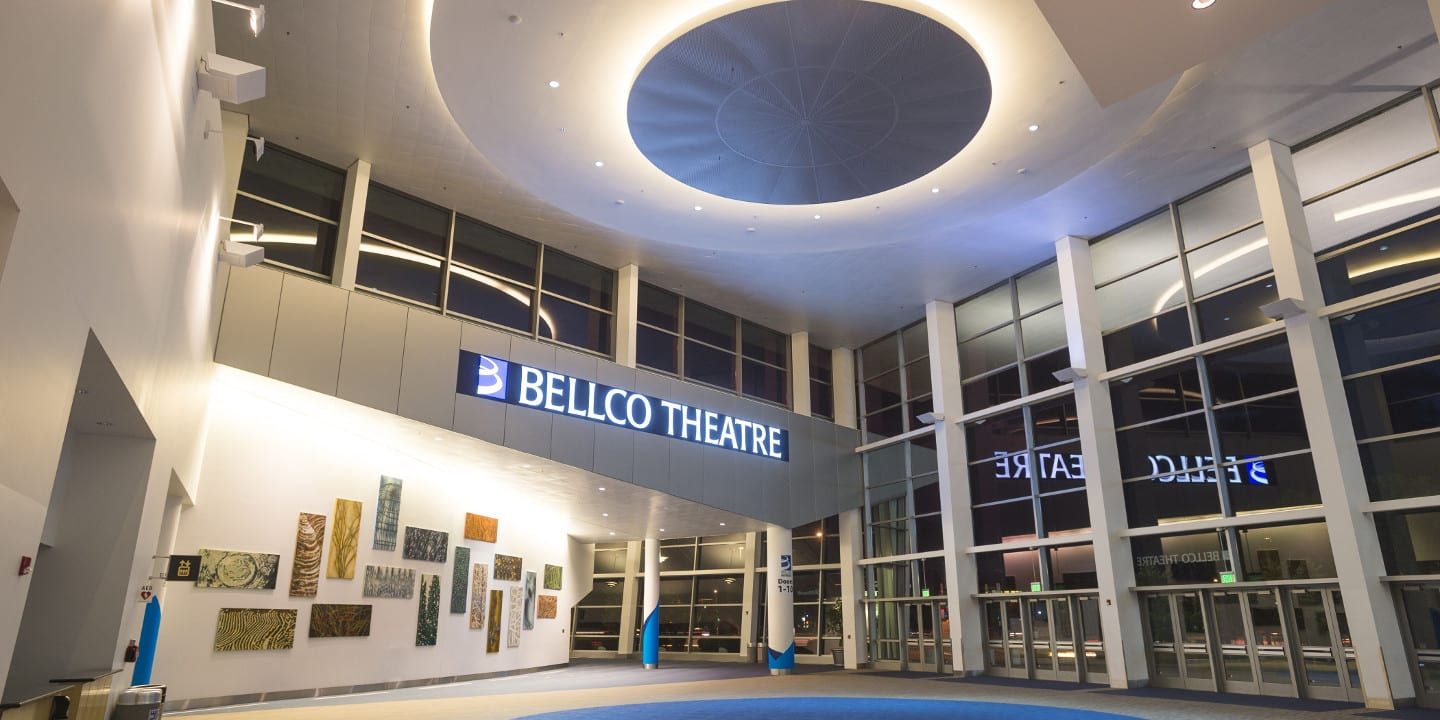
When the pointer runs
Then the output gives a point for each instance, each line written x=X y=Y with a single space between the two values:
x=1033 y=127
x=1383 y=248
x=722 y=524
x=601 y=489
x=1201 y=4
x=698 y=208
x=599 y=163
x=750 y=229
x=817 y=217
x=604 y=514
x=612 y=532
x=554 y=83
x=934 y=189
x=662 y=529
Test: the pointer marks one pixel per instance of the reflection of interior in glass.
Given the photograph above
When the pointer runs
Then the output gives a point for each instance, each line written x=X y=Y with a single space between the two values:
x=410 y=256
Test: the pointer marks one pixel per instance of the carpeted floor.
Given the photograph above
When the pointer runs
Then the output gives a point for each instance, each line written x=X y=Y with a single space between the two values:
x=828 y=708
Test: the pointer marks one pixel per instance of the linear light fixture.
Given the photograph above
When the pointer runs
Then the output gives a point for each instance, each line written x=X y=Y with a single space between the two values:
x=257 y=14
x=259 y=141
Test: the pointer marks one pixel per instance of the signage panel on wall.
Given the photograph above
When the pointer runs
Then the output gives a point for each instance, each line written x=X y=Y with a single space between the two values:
x=548 y=391
x=786 y=579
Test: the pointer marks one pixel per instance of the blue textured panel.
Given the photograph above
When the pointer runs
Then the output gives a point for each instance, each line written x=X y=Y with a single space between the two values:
x=809 y=101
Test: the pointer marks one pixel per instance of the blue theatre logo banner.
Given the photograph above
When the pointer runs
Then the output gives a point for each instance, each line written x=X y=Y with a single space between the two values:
x=548 y=391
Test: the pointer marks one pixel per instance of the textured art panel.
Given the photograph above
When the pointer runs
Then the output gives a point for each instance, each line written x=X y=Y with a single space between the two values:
x=387 y=513
x=426 y=545
x=507 y=567
x=309 y=544
x=427 y=623
x=237 y=570
x=497 y=606
x=512 y=638
x=546 y=607
x=479 y=579
x=482 y=528
x=344 y=540
x=458 y=581
x=552 y=577
x=529 y=620
x=332 y=621
x=389 y=582
x=254 y=629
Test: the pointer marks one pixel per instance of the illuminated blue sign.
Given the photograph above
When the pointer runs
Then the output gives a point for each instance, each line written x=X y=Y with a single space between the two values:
x=1164 y=468
x=516 y=384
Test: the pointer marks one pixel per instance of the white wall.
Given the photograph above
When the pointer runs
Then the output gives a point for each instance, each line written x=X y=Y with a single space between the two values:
x=282 y=451
x=101 y=150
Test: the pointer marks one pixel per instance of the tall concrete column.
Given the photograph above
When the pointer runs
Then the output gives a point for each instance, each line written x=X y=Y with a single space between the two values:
x=750 y=603
x=852 y=588
x=961 y=580
x=800 y=373
x=627 y=313
x=842 y=384
x=352 y=220
x=779 y=600
x=628 y=600
x=1120 y=619
x=650 y=632
x=1375 y=629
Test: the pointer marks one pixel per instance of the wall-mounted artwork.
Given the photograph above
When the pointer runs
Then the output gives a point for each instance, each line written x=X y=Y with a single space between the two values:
x=309 y=544
x=344 y=540
x=529 y=618
x=389 y=582
x=546 y=607
x=334 y=621
x=458 y=581
x=480 y=527
x=387 y=513
x=237 y=570
x=254 y=629
x=507 y=567
x=479 y=579
x=427 y=623
x=492 y=638
x=552 y=577
x=427 y=545
x=512 y=638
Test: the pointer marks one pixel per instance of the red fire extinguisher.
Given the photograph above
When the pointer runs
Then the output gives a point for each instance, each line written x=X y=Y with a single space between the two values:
x=132 y=651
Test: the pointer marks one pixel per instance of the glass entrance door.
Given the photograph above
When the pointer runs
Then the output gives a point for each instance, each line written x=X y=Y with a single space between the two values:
x=1421 y=607
x=1327 y=659
x=1045 y=638
x=923 y=637
x=1177 y=628
x=908 y=635
x=1005 y=639
x=1052 y=639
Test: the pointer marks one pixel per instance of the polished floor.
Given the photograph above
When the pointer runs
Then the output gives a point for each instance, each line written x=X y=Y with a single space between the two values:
x=587 y=684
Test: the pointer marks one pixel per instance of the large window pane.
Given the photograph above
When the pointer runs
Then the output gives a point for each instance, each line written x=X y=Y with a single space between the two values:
x=1147 y=339
x=659 y=308
x=1286 y=552
x=656 y=349
x=880 y=356
x=481 y=246
x=719 y=589
x=1072 y=567
x=882 y=391
x=1375 y=204
x=1402 y=400
x=1153 y=502
x=1231 y=261
x=575 y=325
x=1140 y=295
x=984 y=311
x=1156 y=394
x=1007 y=571
x=1411 y=253
x=996 y=435
x=761 y=343
x=398 y=271
x=1054 y=421
x=1399 y=332
x=1004 y=522
x=1384 y=140
x=764 y=382
x=1174 y=448
x=1041 y=371
x=1219 y=211
x=1263 y=427
x=1258 y=368
x=1065 y=512
x=914 y=342
x=1273 y=484
x=1000 y=479
x=1141 y=244
x=605 y=592
x=987 y=352
x=491 y=299
x=1188 y=558
x=1038 y=288
x=293 y=180
x=577 y=280
x=403 y=219
x=1235 y=310
x=1000 y=387
x=709 y=325
x=1043 y=332
x=1410 y=541
x=289 y=238
x=1402 y=468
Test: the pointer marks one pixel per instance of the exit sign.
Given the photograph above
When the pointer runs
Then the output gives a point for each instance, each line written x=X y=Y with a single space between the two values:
x=1034 y=587
x=1227 y=577
x=925 y=592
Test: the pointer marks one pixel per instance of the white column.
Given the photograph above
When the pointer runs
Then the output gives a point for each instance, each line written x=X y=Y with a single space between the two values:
x=628 y=600
x=1374 y=626
x=842 y=386
x=749 y=598
x=352 y=220
x=779 y=600
x=1120 y=620
x=800 y=373
x=650 y=632
x=852 y=588
x=627 y=313
x=961 y=582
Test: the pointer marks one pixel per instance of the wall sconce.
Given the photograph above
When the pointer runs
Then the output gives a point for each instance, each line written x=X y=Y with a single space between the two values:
x=1069 y=374
x=243 y=254
x=1282 y=308
x=259 y=141
x=930 y=418
x=257 y=14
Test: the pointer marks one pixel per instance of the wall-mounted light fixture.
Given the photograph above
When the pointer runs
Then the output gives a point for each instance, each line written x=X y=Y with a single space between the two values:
x=1069 y=374
x=930 y=418
x=259 y=141
x=257 y=14
x=239 y=254
x=1282 y=308
x=230 y=80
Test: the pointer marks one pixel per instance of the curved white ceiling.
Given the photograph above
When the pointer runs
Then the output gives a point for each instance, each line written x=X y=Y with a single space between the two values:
x=489 y=63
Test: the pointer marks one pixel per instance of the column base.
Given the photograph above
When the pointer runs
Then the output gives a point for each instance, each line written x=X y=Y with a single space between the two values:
x=652 y=666
x=779 y=671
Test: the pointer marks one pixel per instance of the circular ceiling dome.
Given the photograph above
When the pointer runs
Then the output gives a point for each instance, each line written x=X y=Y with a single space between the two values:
x=809 y=101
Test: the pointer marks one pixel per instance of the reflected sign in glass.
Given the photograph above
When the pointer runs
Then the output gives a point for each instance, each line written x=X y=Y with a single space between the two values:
x=516 y=384
x=1164 y=468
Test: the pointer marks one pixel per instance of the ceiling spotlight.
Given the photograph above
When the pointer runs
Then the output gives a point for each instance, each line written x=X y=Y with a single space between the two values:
x=601 y=489
x=612 y=532
x=554 y=83
x=257 y=14
x=817 y=217
x=662 y=529
x=934 y=189
x=1201 y=4
x=698 y=208
x=599 y=163
x=722 y=524
x=1033 y=127
x=604 y=514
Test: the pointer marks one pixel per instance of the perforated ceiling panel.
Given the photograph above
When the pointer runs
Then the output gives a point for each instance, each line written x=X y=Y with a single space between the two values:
x=809 y=101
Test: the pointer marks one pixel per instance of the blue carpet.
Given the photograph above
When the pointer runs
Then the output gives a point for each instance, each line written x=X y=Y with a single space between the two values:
x=828 y=708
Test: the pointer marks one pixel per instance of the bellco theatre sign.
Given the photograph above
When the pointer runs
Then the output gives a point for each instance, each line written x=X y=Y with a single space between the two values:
x=516 y=384
x=1164 y=468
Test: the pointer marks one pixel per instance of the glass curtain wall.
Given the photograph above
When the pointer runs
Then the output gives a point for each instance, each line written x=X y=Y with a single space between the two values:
x=596 y=623
x=679 y=336
x=894 y=385
x=298 y=200
x=702 y=594
x=819 y=602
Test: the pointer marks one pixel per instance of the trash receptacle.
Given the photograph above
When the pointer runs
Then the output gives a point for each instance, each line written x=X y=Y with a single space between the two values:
x=142 y=702
x=838 y=655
